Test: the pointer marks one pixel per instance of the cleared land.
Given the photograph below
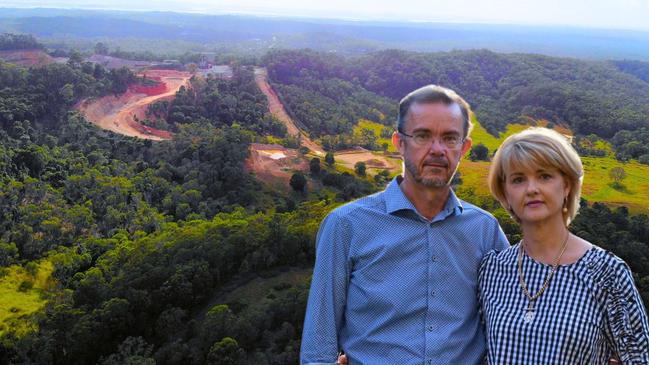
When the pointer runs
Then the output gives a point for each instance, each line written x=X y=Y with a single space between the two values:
x=277 y=109
x=28 y=57
x=267 y=170
x=274 y=164
x=118 y=114
x=374 y=161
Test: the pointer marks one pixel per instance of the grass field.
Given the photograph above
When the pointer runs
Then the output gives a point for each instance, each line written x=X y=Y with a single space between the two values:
x=599 y=187
x=376 y=128
x=22 y=295
x=480 y=135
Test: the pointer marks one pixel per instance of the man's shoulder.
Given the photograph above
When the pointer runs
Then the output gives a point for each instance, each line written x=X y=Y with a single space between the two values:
x=472 y=211
x=370 y=202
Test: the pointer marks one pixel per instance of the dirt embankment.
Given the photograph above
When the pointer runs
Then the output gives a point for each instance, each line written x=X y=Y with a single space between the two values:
x=274 y=164
x=120 y=114
x=277 y=109
x=27 y=57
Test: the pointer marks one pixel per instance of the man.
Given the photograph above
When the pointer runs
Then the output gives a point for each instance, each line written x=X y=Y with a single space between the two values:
x=395 y=275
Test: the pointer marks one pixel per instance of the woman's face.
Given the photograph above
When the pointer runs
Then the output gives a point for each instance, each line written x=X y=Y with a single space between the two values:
x=536 y=194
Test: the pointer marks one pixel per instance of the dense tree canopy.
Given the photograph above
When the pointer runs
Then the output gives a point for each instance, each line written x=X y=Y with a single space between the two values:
x=10 y=41
x=143 y=236
x=589 y=97
x=171 y=253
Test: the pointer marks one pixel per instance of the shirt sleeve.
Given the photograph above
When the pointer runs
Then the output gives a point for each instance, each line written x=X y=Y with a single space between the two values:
x=500 y=241
x=482 y=272
x=327 y=296
x=627 y=318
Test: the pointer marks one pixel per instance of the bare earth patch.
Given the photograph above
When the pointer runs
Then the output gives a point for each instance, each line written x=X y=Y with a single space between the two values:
x=119 y=113
x=27 y=57
x=274 y=164
x=373 y=160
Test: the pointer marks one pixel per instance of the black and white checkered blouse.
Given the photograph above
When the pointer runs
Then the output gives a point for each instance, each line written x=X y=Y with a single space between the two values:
x=590 y=311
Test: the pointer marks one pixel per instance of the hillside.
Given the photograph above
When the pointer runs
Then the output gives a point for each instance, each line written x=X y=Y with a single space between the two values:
x=508 y=93
x=121 y=114
x=118 y=250
x=502 y=88
x=162 y=32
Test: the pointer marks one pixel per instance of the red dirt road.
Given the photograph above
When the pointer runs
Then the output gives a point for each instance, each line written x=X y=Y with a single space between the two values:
x=117 y=113
x=277 y=109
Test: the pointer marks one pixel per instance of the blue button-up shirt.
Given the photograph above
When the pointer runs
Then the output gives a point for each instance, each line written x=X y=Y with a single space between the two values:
x=391 y=287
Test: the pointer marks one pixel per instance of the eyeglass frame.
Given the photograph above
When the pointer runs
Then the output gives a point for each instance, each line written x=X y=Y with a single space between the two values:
x=460 y=140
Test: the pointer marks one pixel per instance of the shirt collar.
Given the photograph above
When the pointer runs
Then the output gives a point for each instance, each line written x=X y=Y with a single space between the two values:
x=396 y=200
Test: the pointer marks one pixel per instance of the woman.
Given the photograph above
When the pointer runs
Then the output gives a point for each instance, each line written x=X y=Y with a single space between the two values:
x=554 y=298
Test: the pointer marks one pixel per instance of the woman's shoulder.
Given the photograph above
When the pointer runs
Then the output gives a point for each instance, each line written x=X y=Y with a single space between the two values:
x=495 y=257
x=506 y=254
x=607 y=269
x=606 y=261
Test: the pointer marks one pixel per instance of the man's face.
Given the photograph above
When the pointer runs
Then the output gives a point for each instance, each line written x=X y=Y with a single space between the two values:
x=431 y=165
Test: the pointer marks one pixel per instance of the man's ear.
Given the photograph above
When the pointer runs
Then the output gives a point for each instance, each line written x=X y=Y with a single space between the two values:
x=396 y=141
x=466 y=146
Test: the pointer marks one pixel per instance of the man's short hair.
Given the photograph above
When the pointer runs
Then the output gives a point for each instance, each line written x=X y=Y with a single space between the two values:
x=538 y=147
x=434 y=94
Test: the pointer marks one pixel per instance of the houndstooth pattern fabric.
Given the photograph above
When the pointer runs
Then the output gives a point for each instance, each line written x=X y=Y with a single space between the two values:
x=590 y=311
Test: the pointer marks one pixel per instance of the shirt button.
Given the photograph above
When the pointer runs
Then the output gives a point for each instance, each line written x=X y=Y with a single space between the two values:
x=434 y=258
x=432 y=293
x=430 y=328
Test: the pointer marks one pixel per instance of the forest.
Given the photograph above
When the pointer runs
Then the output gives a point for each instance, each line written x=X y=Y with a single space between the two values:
x=150 y=249
x=600 y=98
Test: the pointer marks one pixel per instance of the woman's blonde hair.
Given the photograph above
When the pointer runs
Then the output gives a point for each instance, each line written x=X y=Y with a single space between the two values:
x=542 y=147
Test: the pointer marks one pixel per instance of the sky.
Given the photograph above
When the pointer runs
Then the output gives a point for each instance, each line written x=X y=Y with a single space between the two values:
x=608 y=14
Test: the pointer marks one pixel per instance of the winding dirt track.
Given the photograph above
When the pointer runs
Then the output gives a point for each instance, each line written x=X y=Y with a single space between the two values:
x=277 y=109
x=117 y=113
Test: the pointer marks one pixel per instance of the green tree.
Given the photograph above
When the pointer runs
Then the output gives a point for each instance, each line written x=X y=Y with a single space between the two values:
x=298 y=182
x=75 y=59
x=225 y=352
x=617 y=174
x=329 y=158
x=8 y=253
x=360 y=168
x=192 y=68
x=101 y=48
x=479 y=152
x=133 y=351
x=314 y=166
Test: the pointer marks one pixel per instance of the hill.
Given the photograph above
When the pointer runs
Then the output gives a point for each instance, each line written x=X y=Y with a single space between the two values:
x=116 y=249
x=502 y=88
x=160 y=32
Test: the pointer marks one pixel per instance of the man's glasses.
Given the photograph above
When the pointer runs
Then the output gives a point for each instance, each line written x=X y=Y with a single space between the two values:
x=421 y=139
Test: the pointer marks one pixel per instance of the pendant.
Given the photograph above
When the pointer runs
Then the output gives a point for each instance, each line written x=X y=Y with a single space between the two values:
x=529 y=316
